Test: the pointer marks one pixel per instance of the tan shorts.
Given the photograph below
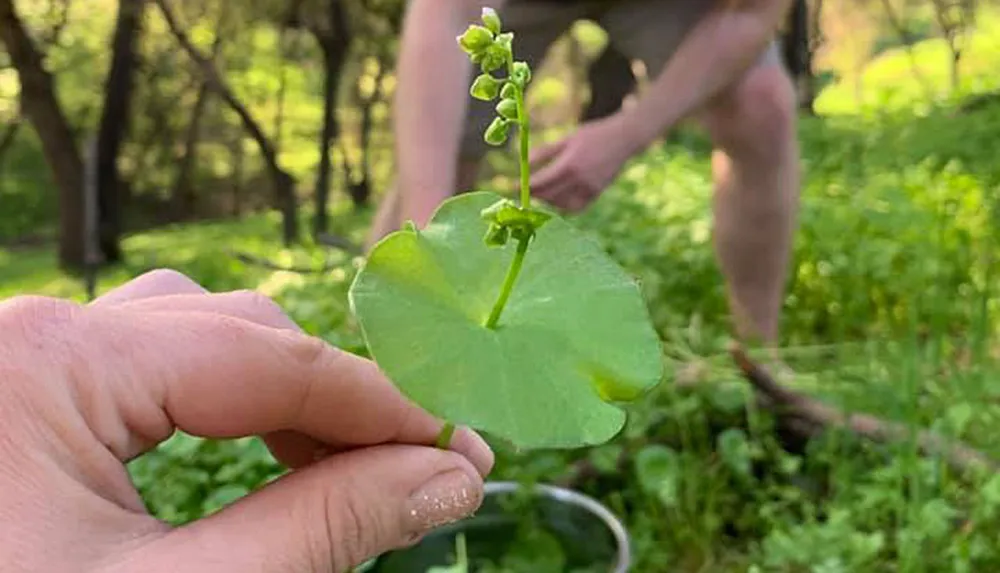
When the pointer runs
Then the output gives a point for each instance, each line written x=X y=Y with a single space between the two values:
x=645 y=30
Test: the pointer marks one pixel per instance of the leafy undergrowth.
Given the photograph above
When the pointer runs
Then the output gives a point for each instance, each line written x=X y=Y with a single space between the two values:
x=918 y=79
x=891 y=311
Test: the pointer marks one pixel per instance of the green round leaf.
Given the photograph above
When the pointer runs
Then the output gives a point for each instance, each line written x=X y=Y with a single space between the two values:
x=574 y=340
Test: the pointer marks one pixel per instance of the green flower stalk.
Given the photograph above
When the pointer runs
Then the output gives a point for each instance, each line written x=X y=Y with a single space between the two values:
x=492 y=49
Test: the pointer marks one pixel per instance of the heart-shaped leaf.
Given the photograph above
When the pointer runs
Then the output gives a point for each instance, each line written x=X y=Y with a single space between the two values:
x=574 y=338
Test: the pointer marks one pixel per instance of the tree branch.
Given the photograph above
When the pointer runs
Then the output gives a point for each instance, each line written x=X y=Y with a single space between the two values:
x=959 y=456
x=215 y=80
x=284 y=183
x=264 y=263
x=908 y=39
x=10 y=132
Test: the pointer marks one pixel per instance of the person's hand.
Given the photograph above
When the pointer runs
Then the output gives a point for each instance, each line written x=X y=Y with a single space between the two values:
x=578 y=168
x=84 y=389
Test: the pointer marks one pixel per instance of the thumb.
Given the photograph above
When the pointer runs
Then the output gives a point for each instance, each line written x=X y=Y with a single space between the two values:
x=331 y=516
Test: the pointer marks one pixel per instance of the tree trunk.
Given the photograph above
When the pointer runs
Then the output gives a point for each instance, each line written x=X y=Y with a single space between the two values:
x=114 y=125
x=333 y=39
x=40 y=106
x=907 y=37
x=183 y=199
x=956 y=60
x=9 y=136
x=284 y=184
x=236 y=154
x=362 y=190
x=954 y=19
x=279 y=114
x=93 y=257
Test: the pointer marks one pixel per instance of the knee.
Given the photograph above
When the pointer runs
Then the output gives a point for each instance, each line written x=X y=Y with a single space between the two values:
x=755 y=116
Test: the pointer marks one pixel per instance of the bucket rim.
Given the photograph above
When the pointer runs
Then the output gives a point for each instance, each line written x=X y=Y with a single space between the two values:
x=572 y=497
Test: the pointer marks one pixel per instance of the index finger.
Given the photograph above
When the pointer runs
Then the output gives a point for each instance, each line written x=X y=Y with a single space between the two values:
x=221 y=376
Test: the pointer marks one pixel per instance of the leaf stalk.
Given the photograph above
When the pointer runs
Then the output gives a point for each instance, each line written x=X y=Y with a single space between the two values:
x=508 y=283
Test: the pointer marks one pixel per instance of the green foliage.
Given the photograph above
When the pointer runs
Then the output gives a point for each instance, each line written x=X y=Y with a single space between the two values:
x=187 y=478
x=26 y=190
x=918 y=78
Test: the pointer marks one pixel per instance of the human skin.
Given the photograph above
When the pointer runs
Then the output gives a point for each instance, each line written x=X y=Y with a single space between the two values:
x=86 y=388
x=748 y=111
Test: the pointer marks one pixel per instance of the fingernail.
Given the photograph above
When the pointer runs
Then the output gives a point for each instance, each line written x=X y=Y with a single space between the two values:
x=446 y=498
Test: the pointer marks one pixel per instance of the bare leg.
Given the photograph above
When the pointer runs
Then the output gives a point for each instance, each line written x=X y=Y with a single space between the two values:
x=756 y=171
x=389 y=216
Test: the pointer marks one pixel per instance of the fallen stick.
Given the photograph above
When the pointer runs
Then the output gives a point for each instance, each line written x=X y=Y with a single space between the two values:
x=338 y=242
x=959 y=456
x=260 y=262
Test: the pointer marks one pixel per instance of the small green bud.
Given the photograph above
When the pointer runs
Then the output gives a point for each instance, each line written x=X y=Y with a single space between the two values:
x=496 y=235
x=507 y=108
x=499 y=210
x=494 y=57
x=475 y=39
x=537 y=218
x=518 y=223
x=521 y=73
x=496 y=133
x=509 y=91
x=505 y=40
x=507 y=213
x=491 y=20
x=409 y=226
x=486 y=87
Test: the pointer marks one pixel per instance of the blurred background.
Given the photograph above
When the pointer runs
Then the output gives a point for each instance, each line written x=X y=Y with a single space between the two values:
x=248 y=144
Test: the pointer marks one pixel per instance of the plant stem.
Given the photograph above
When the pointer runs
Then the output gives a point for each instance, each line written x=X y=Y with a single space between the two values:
x=508 y=283
x=523 y=134
x=444 y=438
x=461 y=552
